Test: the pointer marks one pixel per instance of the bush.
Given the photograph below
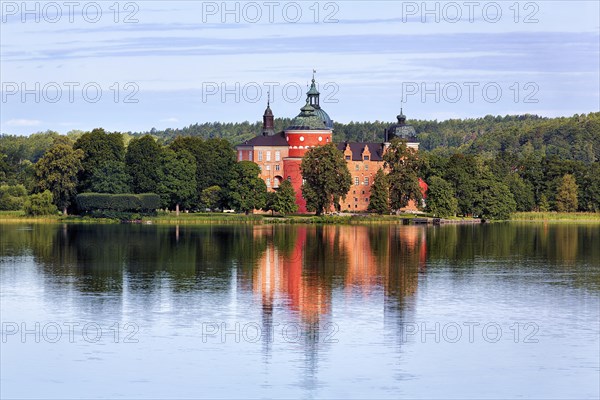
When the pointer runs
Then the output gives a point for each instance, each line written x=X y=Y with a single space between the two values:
x=40 y=204
x=104 y=204
x=150 y=202
x=12 y=198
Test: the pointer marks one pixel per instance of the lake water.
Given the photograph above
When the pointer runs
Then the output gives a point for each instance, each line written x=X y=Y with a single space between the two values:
x=107 y=311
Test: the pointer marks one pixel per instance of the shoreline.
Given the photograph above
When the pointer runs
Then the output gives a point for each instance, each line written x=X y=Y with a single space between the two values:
x=16 y=217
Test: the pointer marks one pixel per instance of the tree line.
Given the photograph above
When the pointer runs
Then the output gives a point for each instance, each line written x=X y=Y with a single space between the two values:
x=490 y=166
x=189 y=173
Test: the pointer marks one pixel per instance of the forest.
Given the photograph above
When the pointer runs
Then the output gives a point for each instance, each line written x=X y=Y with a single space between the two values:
x=531 y=163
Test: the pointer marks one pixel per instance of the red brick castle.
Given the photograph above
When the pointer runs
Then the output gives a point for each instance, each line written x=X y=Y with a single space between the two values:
x=279 y=154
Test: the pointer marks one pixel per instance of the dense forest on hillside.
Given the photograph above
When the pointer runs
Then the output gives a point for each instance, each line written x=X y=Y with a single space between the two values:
x=532 y=156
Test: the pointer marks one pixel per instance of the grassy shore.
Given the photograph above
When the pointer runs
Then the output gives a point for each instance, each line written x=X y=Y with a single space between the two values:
x=556 y=217
x=213 y=218
x=258 y=219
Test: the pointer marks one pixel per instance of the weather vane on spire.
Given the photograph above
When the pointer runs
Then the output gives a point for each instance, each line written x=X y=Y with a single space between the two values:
x=314 y=72
x=268 y=98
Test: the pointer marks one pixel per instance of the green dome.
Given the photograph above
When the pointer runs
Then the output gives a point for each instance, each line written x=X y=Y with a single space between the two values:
x=308 y=120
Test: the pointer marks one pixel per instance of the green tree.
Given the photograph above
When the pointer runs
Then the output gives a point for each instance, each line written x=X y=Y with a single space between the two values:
x=142 y=160
x=404 y=166
x=283 y=201
x=40 y=204
x=110 y=177
x=246 y=190
x=521 y=191
x=326 y=178
x=495 y=201
x=57 y=171
x=379 y=200
x=463 y=172
x=566 y=197
x=441 y=199
x=544 y=205
x=175 y=186
x=211 y=197
x=12 y=197
x=103 y=155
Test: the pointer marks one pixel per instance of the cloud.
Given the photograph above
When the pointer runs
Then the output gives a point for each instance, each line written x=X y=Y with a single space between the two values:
x=23 y=122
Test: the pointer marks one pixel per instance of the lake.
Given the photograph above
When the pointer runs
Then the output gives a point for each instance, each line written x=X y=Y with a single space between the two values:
x=499 y=310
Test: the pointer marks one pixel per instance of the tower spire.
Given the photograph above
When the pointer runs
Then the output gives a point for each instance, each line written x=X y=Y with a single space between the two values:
x=268 y=128
x=313 y=93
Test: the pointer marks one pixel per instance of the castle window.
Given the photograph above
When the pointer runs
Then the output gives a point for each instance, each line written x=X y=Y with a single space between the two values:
x=277 y=167
x=268 y=156
x=250 y=155
x=366 y=180
x=366 y=167
x=366 y=158
x=275 y=182
x=240 y=155
x=268 y=167
x=356 y=180
x=357 y=167
x=260 y=155
x=348 y=158
x=289 y=178
x=278 y=156
x=268 y=182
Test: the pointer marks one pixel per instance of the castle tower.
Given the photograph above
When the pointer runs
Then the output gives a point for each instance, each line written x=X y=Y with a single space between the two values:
x=268 y=128
x=306 y=131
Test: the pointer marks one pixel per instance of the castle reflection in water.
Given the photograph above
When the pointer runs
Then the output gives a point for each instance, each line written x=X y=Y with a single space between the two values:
x=358 y=259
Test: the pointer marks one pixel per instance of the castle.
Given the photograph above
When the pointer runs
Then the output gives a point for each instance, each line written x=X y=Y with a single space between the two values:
x=279 y=154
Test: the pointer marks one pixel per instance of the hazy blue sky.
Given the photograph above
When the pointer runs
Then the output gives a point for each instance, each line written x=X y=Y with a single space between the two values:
x=192 y=61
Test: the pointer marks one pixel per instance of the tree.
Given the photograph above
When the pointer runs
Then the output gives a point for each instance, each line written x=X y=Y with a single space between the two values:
x=12 y=197
x=215 y=160
x=404 y=166
x=247 y=191
x=495 y=200
x=40 y=204
x=103 y=162
x=110 y=177
x=521 y=191
x=463 y=172
x=544 y=205
x=175 y=186
x=143 y=164
x=326 y=177
x=566 y=197
x=283 y=201
x=441 y=199
x=211 y=197
x=379 y=201
x=57 y=171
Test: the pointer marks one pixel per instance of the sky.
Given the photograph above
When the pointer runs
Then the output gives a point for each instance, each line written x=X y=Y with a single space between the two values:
x=138 y=65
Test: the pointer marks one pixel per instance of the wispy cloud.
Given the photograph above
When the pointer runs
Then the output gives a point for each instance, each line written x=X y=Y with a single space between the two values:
x=22 y=122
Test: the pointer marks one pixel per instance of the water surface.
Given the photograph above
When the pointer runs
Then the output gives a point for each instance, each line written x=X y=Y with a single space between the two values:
x=492 y=311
